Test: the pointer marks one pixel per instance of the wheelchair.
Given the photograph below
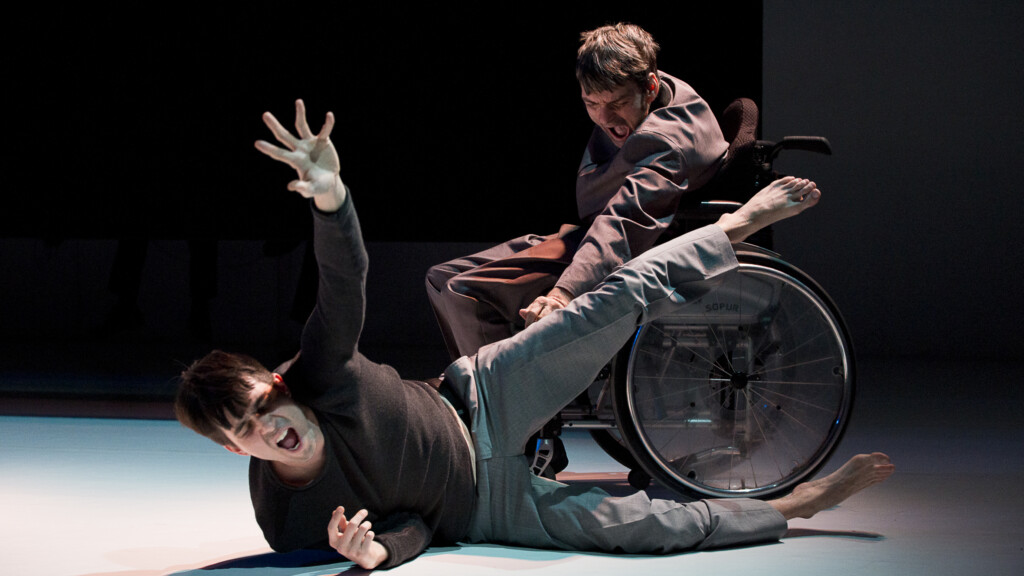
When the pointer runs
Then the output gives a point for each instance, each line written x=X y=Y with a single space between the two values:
x=744 y=392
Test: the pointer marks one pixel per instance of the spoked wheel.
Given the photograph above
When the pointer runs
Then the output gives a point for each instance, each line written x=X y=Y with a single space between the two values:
x=744 y=392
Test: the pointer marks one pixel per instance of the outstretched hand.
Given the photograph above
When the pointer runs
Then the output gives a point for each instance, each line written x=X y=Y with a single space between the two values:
x=353 y=539
x=312 y=155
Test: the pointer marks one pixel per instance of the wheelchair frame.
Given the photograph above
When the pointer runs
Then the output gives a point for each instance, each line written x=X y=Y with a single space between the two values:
x=745 y=392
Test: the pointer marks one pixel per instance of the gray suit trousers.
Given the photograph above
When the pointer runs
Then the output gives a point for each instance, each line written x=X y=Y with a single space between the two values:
x=514 y=386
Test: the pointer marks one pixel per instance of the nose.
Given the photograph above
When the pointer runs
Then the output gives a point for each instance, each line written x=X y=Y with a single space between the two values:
x=605 y=115
x=263 y=424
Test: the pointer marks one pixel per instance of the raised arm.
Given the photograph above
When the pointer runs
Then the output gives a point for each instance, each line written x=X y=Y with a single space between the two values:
x=332 y=331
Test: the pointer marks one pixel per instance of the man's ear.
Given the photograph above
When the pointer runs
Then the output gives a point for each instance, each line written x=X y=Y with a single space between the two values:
x=653 y=87
x=279 y=383
x=236 y=450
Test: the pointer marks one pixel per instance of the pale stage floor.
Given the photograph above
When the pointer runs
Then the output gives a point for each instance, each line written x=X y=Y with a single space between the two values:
x=146 y=497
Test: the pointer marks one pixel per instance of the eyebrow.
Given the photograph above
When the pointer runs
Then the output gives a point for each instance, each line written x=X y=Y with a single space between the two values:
x=587 y=100
x=242 y=423
x=255 y=409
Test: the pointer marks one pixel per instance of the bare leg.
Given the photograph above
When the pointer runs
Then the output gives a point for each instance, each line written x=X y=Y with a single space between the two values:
x=858 y=473
x=781 y=199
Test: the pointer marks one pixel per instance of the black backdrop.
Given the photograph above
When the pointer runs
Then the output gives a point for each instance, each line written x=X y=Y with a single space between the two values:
x=454 y=123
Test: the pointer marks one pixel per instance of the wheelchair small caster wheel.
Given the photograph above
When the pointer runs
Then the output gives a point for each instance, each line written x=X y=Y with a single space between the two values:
x=639 y=479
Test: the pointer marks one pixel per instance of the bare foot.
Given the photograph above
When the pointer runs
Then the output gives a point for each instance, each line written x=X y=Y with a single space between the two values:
x=779 y=200
x=858 y=473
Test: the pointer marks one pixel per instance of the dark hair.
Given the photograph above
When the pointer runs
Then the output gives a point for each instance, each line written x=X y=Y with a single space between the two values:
x=214 y=387
x=612 y=55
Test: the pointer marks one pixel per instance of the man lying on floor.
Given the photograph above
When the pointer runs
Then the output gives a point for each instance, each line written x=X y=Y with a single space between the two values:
x=334 y=430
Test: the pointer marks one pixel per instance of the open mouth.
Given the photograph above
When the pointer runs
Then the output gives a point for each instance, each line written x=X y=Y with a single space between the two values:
x=618 y=132
x=288 y=439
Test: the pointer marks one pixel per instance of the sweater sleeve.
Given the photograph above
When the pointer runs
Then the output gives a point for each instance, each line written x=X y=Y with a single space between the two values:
x=331 y=333
x=404 y=536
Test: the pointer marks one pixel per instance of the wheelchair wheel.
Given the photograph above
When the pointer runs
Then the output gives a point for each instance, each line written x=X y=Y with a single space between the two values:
x=744 y=392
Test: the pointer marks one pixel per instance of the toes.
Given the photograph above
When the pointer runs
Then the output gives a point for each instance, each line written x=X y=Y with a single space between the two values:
x=811 y=198
x=878 y=458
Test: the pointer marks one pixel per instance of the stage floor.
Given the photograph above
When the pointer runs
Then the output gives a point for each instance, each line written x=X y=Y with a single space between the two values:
x=146 y=497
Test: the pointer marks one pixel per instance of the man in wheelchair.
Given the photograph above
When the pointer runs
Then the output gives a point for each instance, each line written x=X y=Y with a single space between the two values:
x=654 y=141
x=402 y=468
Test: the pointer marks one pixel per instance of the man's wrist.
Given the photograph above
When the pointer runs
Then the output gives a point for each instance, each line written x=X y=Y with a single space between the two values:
x=332 y=200
x=562 y=295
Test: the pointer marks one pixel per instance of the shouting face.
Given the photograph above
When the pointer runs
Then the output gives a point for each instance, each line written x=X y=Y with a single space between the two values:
x=618 y=112
x=277 y=429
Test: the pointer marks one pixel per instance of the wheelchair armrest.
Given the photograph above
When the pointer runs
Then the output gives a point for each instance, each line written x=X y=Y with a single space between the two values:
x=818 y=144
x=709 y=209
x=708 y=212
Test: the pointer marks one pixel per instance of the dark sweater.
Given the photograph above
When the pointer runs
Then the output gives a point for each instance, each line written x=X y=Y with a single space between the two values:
x=392 y=445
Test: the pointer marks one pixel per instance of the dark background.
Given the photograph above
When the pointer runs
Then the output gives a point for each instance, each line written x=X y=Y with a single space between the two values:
x=461 y=127
x=132 y=129
x=921 y=239
x=450 y=119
